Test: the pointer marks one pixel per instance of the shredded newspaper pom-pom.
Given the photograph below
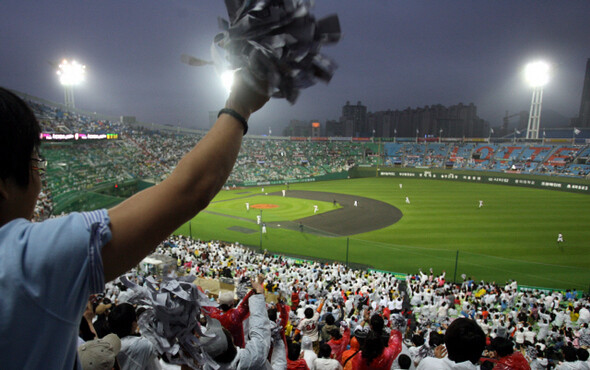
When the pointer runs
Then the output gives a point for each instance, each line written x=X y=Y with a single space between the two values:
x=277 y=41
x=171 y=319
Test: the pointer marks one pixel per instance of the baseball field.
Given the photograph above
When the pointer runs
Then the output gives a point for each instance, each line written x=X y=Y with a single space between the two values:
x=440 y=225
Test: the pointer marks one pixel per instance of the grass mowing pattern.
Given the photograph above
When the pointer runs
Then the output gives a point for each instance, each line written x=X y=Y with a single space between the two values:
x=513 y=236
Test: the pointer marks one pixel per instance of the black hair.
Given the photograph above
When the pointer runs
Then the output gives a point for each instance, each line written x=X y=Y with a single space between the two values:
x=417 y=340
x=272 y=314
x=502 y=346
x=293 y=351
x=377 y=323
x=465 y=341
x=19 y=138
x=404 y=361
x=335 y=333
x=330 y=319
x=308 y=312
x=569 y=353
x=582 y=354
x=121 y=319
x=372 y=346
x=435 y=339
x=325 y=350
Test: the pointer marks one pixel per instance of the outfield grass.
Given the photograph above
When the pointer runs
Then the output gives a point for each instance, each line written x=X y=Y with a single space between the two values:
x=512 y=237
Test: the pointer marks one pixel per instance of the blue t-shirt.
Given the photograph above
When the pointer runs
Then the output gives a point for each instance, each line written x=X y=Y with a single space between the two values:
x=47 y=272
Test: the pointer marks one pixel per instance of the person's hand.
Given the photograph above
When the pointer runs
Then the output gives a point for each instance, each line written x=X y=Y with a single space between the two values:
x=257 y=284
x=245 y=99
x=89 y=312
x=440 y=351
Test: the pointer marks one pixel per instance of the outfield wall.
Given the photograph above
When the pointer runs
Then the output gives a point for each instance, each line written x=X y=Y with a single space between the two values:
x=574 y=185
x=329 y=176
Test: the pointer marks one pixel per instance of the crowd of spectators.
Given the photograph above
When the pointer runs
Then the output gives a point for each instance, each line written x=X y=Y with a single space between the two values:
x=56 y=120
x=328 y=316
x=139 y=153
x=312 y=315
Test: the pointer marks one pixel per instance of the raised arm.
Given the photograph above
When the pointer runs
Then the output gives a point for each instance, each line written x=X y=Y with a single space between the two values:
x=141 y=222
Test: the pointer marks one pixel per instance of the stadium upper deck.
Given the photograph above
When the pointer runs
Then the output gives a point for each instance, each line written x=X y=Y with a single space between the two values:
x=139 y=153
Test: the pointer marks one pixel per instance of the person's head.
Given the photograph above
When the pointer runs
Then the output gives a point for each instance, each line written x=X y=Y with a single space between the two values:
x=293 y=351
x=123 y=320
x=435 y=339
x=306 y=343
x=404 y=361
x=335 y=333
x=569 y=354
x=99 y=354
x=354 y=344
x=465 y=341
x=417 y=340
x=377 y=323
x=582 y=354
x=308 y=313
x=20 y=182
x=272 y=314
x=330 y=319
x=502 y=346
x=372 y=347
x=325 y=351
x=226 y=300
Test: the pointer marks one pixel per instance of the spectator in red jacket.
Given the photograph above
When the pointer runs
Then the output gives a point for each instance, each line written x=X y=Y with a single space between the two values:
x=339 y=342
x=295 y=360
x=507 y=358
x=294 y=300
x=374 y=355
x=231 y=318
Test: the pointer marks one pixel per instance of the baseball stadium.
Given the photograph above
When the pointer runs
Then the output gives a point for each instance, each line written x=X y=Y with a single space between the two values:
x=486 y=209
x=191 y=202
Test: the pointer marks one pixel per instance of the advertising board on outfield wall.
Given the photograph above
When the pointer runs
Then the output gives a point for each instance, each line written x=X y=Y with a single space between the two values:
x=329 y=176
x=553 y=183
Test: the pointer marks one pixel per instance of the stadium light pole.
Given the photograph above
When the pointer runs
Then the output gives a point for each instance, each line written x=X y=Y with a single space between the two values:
x=537 y=76
x=70 y=74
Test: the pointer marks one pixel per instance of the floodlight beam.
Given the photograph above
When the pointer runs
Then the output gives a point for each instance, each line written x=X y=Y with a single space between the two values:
x=227 y=79
x=70 y=74
x=537 y=75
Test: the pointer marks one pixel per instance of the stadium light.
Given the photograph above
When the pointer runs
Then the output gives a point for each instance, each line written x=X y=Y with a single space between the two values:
x=537 y=75
x=70 y=74
x=227 y=79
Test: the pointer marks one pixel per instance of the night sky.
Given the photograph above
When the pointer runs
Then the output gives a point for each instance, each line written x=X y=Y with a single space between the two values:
x=392 y=55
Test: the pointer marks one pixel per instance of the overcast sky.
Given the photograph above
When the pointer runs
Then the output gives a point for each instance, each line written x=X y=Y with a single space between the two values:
x=392 y=55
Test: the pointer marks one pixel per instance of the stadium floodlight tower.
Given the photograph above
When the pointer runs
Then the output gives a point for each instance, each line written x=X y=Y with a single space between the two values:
x=70 y=74
x=537 y=76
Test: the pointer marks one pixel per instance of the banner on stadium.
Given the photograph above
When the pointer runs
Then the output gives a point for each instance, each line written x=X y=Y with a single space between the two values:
x=329 y=176
x=77 y=136
x=480 y=177
x=295 y=260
